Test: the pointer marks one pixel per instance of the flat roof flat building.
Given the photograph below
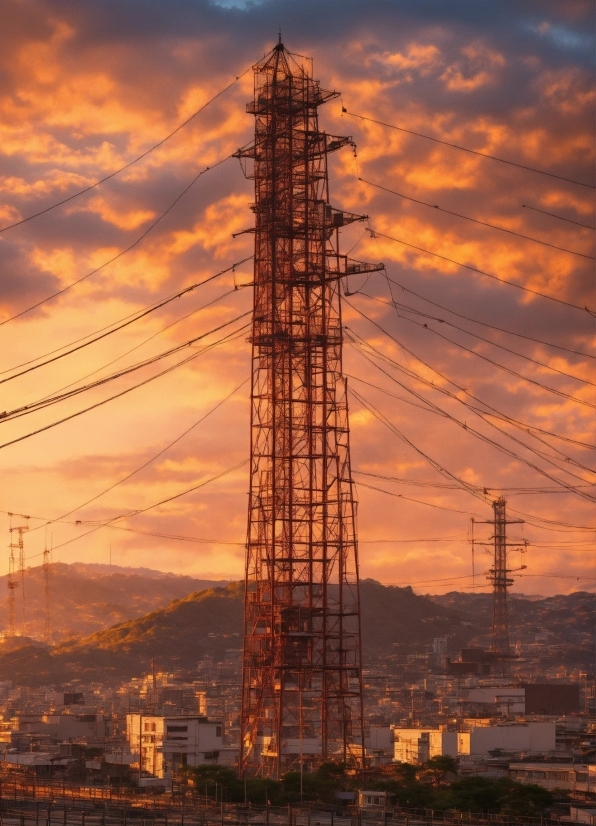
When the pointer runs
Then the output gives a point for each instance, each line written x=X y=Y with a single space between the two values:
x=164 y=745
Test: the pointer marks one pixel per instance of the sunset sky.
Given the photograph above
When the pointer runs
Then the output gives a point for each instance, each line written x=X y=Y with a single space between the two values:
x=88 y=87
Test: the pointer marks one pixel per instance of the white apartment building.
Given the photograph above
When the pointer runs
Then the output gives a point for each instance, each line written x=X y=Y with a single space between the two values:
x=532 y=738
x=165 y=744
x=417 y=745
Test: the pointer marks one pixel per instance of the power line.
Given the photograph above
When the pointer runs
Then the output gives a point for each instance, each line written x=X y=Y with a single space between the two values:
x=439 y=468
x=50 y=400
x=206 y=349
x=462 y=483
x=479 y=355
x=475 y=220
x=560 y=217
x=142 y=343
x=466 y=149
x=131 y=163
x=407 y=308
x=374 y=233
x=432 y=408
x=149 y=461
x=156 y=505
x=125 y=323
x=480 y=412
x=486 y=324
x=122 y=252
x=426 y=484
x=408 y=499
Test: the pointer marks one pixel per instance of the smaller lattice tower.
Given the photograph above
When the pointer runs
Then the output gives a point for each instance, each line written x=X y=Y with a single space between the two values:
x=17 y=551
x=46 y=583
x=499 y=578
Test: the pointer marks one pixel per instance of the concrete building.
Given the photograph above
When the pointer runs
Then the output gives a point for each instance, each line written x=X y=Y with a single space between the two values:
x=573 y=777
x=505 y=700
x=533 y=738
x=165 y=744
x=417 y=745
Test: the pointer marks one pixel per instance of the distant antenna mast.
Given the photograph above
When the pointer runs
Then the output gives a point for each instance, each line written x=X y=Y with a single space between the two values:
x=499 y=578
x=16 y=545
x=46 y=578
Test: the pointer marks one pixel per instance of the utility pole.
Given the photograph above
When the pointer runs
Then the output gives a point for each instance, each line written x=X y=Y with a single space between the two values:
x=302 y=672
x=16 y=545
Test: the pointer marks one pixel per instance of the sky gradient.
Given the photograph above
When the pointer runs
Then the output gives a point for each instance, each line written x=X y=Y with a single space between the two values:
x=87 y=87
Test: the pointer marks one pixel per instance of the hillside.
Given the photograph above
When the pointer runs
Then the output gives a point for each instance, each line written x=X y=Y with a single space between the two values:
x=564 y=622
x=85 y=598
x=209 y=622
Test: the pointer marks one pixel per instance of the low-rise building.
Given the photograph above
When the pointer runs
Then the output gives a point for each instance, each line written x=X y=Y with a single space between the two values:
x=165 y=744
x=417 y=745
x=574 y=777
x=532 y=738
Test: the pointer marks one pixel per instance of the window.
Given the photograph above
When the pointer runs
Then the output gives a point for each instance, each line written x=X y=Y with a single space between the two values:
x=177 y=728
x=218 y=731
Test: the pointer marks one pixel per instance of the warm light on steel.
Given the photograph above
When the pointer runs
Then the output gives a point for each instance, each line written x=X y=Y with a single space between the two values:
x=302 y=675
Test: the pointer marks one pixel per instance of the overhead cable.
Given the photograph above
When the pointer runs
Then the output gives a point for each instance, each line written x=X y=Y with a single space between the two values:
x=131 y=163
x=467 y=149
x=409 y=499
x=47 y=401
x=462 y=483
x=481 y=356
x=481 y=413
x=406 y=308
x=149 y=461
x=122 y=252
x=140 y=344
x=474 y=220
x=155 y=505
x=127 y=322
x=560 y=217
x=439 y=468
x=497 y=445
x=374 y=233
x=486 y=488
x=486 y=324
x=206 y=349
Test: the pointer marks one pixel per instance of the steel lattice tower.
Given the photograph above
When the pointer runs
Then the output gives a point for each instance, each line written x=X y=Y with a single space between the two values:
x=499 y=577
x=500 y=581
x=302 y=676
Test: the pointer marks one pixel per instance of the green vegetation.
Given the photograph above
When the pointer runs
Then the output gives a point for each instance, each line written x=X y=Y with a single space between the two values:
x=432 y=786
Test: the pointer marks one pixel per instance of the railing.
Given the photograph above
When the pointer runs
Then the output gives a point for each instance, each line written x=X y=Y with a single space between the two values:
x=51 y=803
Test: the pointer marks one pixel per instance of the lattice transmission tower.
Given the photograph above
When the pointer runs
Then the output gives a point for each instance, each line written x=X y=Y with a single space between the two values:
x=16 y=568
x=499 y=578
x=302 y=676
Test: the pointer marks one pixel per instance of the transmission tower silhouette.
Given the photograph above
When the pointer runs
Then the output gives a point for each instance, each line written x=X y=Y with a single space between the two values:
x=16 y=545
x=302 y=675
x=500 y=580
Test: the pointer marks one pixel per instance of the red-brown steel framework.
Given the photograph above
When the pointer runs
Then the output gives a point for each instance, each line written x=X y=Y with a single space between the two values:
x=499 y=578
x=302 y=673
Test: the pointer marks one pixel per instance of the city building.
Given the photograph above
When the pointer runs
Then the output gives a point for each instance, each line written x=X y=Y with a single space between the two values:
x=165 y=744
x=578 y=778
x=532 y=738
x=417 y=745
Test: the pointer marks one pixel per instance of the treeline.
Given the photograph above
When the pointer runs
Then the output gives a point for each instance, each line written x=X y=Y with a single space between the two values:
x=436 y=785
